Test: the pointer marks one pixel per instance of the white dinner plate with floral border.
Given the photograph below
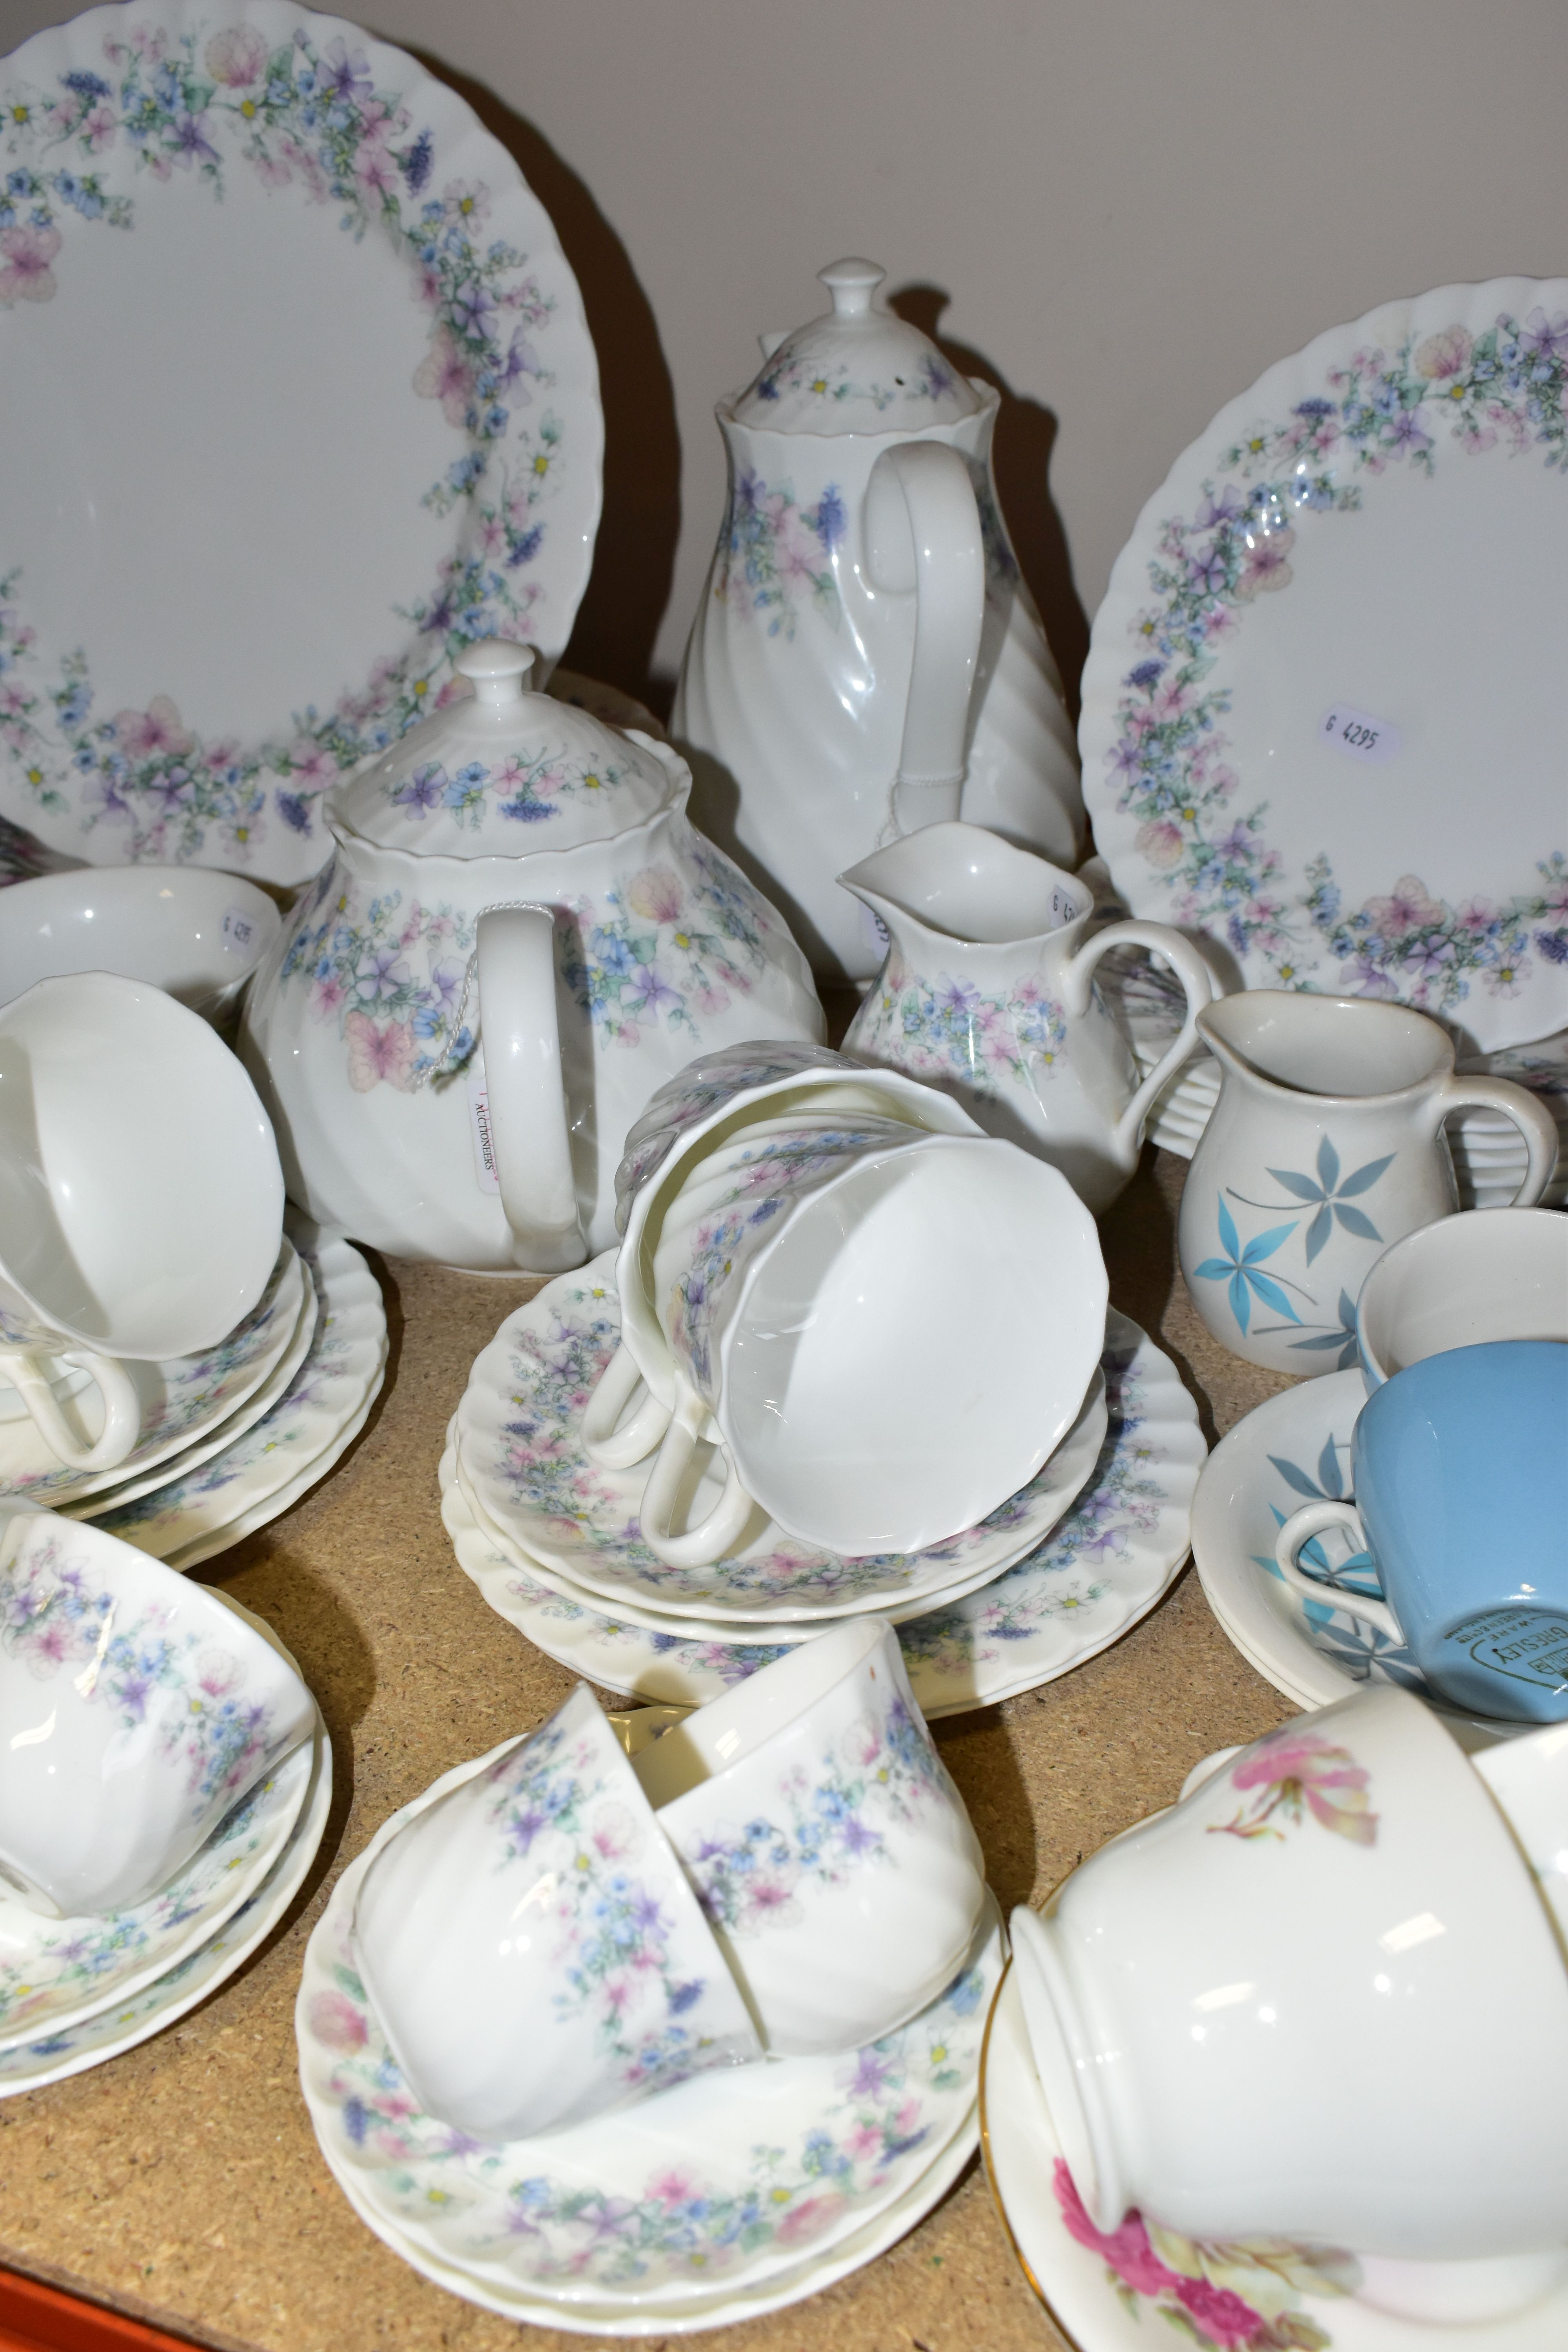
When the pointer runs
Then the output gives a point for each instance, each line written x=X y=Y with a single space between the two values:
x=72 y=2050
x=1103 y=2291
x=180 y=1399
x=631 y=2223
x=284 y=1453
x=227 y=1431
x=1320 y=710
x=1295 y=1448
x=1105 y=1566
x=243 y=558
x=1065 y=1476
x=519 y=1425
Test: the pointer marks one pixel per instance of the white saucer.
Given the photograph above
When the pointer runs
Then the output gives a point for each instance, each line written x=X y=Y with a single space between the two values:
x=224 y=1434
x=1102 y=1569
x=275 y=1460
x=138 y=2017
x=1063 y=1478
x=180 y=1399
x=632 y=2224
x=1288 y=1451
x=1129 y=2295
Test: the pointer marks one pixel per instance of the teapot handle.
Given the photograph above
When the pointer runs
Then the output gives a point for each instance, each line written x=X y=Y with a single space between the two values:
x=1198 y=987
x=922 y=532
x=524 y=1078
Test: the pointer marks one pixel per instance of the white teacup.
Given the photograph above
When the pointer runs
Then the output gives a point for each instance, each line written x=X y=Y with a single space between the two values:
x=1489 y=1274
x=531 y=1947
x=137 y=1710
x=190 y=930
x=825 y=1841
x=1298 y=2004
x=861 y=1410
x=140 y=1197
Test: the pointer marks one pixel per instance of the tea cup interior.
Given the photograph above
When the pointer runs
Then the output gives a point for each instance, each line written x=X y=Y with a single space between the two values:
x=141 y=1196
x=188 y=930
x=1492 y=1274
x=731 y=1729
x=1341 y=1047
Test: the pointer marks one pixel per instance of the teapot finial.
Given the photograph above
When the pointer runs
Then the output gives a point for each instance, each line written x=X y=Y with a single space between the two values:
x=499 y=669
x=852 y=283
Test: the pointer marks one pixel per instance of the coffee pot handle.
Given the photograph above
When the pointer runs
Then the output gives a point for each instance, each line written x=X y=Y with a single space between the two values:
x=1533 y=1118
x=526 y=1087
x=1314 y=1520
x=1197 y=986
x=922 y=532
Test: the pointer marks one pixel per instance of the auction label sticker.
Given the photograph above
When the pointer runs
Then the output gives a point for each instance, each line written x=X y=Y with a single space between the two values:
x=1357 y=735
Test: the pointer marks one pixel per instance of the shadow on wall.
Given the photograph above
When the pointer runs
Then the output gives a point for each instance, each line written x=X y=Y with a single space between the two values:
x=1026 y=434
x=634 y=559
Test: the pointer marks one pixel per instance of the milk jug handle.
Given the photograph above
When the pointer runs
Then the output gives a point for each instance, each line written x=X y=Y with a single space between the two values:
x=922 y=532
x=525 y=1087
x=1197 y=986
x=1533 y=1118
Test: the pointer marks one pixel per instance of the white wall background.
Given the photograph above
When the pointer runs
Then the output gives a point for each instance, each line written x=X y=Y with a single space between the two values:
x=1129 y=207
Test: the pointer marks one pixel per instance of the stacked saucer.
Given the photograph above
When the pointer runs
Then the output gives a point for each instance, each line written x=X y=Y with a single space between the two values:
x=554 y=1541
x=232 y=1438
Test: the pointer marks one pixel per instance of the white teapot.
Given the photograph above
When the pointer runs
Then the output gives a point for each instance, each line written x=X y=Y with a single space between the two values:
x=520 y=936
x=866 y=659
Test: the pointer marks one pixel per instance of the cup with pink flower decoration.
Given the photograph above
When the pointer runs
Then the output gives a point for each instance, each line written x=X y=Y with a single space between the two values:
x=1293 y=2007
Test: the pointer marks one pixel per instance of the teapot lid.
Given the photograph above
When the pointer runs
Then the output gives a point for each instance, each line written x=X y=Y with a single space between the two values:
x=855 y=370
x=500 y=771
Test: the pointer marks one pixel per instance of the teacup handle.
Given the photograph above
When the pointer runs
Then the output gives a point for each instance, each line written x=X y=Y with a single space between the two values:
x=1300 y=1528
x=1197 y=986
x=713 y=1536
x=1533 y=1118
x=121 y=1408
x=604 y=1441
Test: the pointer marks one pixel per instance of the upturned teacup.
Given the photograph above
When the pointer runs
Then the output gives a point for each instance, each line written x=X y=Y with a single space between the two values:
x=825 y=1841
x=1460 y=1470
x=533 y=1949
x=137 y=1710
x=1318 y=2001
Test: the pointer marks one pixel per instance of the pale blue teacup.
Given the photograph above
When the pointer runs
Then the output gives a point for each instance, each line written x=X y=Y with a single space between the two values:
x=1459 y=1465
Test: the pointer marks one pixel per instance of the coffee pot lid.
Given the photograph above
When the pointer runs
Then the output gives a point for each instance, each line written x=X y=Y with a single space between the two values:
x=855 y=370
x=500 y=771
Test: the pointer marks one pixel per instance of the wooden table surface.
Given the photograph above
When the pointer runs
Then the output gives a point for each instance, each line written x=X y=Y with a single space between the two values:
x=182 y=2181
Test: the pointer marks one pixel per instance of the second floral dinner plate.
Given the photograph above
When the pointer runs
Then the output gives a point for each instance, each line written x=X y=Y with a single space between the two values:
x=1321 y=712
x=352 y=424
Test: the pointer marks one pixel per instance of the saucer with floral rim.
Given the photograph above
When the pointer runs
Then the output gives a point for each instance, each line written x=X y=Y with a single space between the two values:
x=726 y=2179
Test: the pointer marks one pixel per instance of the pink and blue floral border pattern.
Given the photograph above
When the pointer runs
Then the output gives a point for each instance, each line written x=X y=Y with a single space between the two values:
x=314 y=123
x=1434 y=398
x=656 y=954
x=820 y=1828
x=947 y=1029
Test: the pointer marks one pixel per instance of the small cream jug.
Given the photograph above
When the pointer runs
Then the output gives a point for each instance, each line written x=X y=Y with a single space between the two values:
x=987 y=991
x=519 y=936
x=866 y=656
x=1325 y=1146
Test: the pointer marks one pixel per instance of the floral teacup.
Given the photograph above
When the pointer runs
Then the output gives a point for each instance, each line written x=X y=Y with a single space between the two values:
x=531 y=1948
x=1294 y=2006
x=137 y=1710
x=827 y=1845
